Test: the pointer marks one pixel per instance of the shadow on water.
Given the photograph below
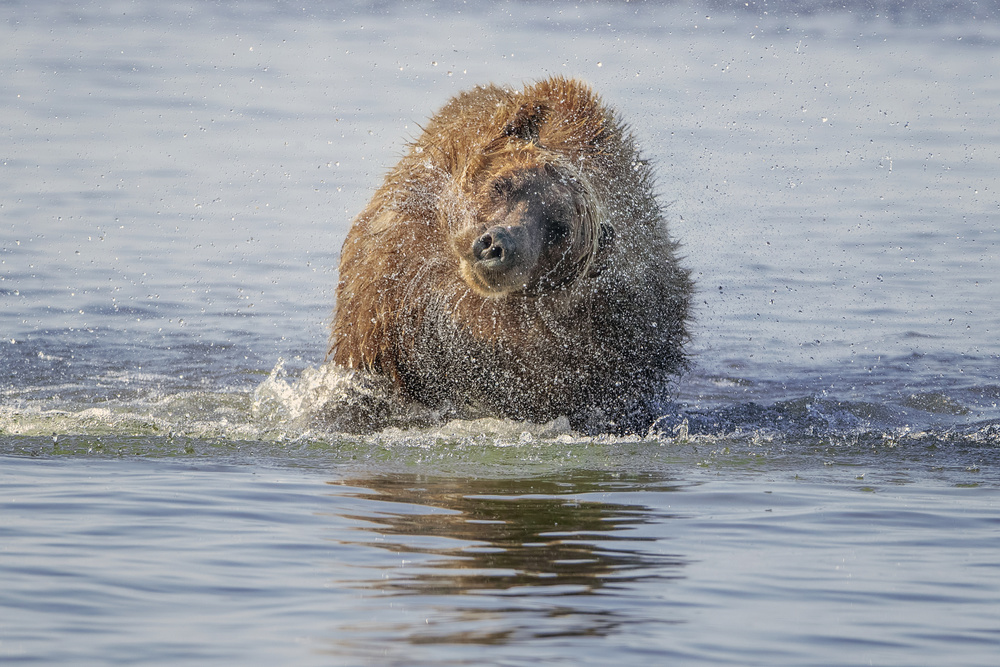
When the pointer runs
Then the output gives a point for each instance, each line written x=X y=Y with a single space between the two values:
x=499 y=561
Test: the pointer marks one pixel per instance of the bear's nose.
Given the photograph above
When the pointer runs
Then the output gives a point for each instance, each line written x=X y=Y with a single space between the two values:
x=496 y=244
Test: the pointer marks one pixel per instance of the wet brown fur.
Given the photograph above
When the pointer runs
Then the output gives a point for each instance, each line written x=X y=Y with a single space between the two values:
x=593 y=333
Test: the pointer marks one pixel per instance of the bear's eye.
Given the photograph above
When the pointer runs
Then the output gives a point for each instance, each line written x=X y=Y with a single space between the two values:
x=556 y=226
x=503 y=187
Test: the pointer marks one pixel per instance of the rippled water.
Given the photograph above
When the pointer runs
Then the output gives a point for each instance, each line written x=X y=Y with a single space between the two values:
x=175 y=183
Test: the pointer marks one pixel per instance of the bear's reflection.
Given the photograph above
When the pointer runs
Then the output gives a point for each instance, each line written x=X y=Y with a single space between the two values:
x=525 y=554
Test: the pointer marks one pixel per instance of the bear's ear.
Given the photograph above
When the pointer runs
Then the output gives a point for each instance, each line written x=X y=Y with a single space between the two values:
x=527 y=122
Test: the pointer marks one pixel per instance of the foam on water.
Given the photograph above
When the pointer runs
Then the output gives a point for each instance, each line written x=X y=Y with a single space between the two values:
x=286 y=418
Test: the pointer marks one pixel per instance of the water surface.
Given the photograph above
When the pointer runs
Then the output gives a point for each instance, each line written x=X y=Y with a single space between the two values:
x=175 y=184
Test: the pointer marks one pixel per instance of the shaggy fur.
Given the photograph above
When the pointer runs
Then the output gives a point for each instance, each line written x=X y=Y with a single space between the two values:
x=516 y=262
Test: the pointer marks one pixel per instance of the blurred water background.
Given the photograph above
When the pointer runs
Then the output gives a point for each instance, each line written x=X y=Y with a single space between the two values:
x=175 y=183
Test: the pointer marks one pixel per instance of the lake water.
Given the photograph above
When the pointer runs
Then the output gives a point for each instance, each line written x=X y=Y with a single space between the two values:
x=175 y=183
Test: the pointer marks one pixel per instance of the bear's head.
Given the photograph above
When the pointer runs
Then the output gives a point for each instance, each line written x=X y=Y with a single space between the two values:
x=531 y=223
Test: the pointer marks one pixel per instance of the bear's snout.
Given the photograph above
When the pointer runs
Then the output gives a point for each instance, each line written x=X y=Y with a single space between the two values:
x=500 y=259
x=495 y=246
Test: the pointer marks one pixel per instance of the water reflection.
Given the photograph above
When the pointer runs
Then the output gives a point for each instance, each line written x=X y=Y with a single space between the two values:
x=493 y=561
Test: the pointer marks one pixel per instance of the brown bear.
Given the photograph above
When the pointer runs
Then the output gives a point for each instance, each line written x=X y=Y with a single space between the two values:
x=516 y=263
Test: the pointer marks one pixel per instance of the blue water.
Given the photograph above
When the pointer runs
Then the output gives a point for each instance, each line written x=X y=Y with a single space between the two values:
x=175 y=184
